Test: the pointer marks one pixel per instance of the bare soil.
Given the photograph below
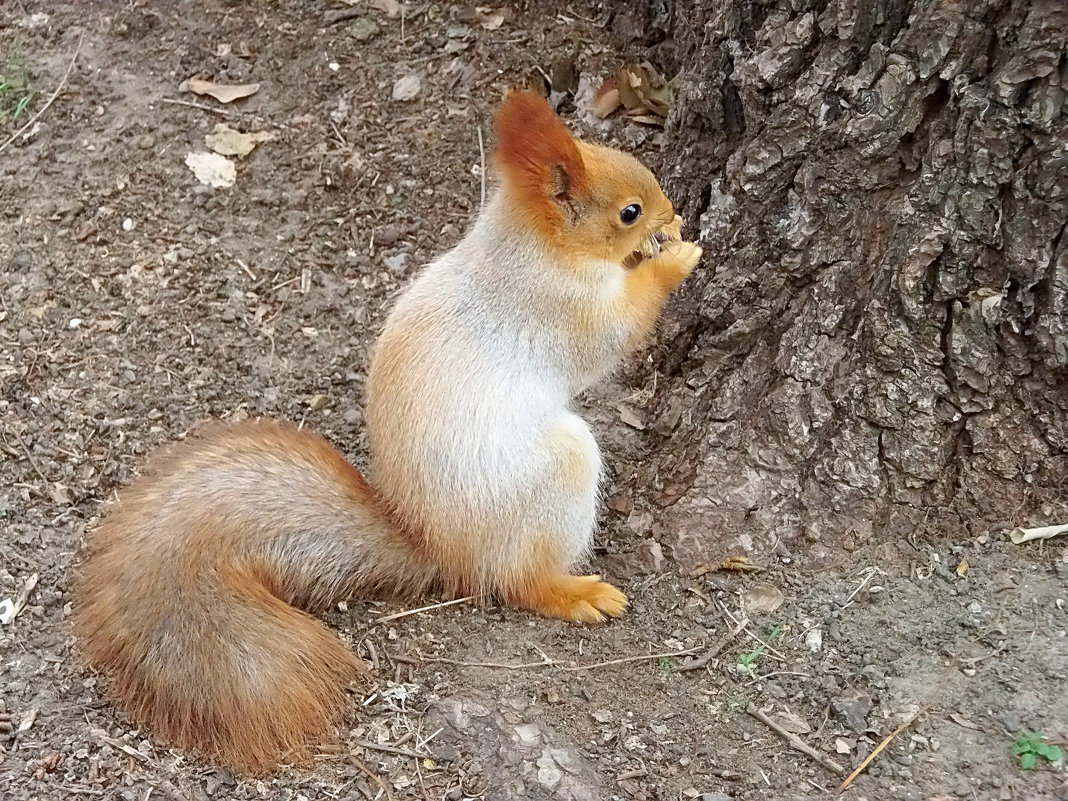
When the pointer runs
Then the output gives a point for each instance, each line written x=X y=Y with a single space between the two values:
x=137 y=303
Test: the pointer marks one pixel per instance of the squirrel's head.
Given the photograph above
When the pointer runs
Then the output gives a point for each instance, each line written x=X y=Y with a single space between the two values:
x=585 y=199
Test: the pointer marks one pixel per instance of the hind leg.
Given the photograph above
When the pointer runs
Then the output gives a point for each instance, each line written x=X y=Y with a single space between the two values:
x=566 y=500
x=581 y=599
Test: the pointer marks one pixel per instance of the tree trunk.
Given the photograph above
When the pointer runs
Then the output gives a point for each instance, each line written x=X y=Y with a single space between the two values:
x=878 y=338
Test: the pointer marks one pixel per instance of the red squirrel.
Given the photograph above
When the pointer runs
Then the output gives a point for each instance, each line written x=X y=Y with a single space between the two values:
x=194 y=596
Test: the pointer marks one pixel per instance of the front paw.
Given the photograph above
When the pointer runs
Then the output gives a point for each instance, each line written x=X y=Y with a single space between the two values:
x=680 y=257
x=673 y=230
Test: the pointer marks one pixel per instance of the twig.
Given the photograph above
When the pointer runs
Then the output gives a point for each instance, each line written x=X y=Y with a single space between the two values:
x=392 y=749
x=397 y=615
x=715 y=650
x=886 y=741
x=547 y=662
x=176 y=102
x=482 y=167
x=129 y=750
x=422 y=784
x=55 y=94
x=501 y=665
x=24 y=594
x=373 y=776
x=763 y=676
x=871 y=571
x=625 y=659
x=795 y=742
x=33 y=462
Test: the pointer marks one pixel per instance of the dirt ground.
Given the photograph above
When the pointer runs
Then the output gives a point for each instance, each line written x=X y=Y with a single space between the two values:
x=137 y=303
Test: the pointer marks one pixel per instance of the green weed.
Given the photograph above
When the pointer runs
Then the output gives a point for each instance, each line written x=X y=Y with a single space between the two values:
x=666 y=666
x=16 y=93
x=747 y=663
x=1030 y=747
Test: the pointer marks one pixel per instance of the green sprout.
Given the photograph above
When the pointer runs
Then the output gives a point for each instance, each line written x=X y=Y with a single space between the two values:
x=747 y=663
x=1030 y=747
x=666 y=666
x=16 y=94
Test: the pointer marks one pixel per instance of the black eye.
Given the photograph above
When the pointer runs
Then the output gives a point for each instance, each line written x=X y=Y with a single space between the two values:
x=630 y=213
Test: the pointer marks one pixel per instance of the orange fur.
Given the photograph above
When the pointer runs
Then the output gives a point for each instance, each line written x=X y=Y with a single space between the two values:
x=648 y=285
x=543 y=585
x=187 y=598
x=540 y=160
x=571 y=192
x=193 y=597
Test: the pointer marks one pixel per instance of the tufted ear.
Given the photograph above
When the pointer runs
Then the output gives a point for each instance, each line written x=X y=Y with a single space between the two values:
x=537 y=155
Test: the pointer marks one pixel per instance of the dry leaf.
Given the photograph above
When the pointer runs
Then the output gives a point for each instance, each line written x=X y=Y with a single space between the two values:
x=647 y=119
x=221 y=92
x=391 y=8
x=211 y=169
x=641 y=90
x=1022 y=535
x=739 y=563
x=227 y=142
x=631 y=418
x=791 y=723
x=407 y=88
x=762 y=597
x=60 y=494
x=489 y=18
x=28 y=717
x=960 y=720
x=607 y=99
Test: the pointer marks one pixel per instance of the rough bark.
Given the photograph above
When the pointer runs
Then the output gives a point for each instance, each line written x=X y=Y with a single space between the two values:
x=879 y=338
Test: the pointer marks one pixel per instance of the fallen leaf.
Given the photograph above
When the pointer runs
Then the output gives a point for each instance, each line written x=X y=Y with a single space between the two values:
x=962 y=568
x=489 y=18
x=221 y=92
x=407 y=88
x=791 y=723
x=363 y=29
x=60 y=494
x=1022 y=535
x=960 y=720
x=607 y=99
x=28 y=717
x=762 y=597
x=211 y=169
x=631 y=418
x=738 y=563
x=641 y=90
x=646 y=119
x=391 y=8
x=226 y=141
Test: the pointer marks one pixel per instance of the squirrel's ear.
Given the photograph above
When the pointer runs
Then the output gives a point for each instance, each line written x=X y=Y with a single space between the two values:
x=536 y=153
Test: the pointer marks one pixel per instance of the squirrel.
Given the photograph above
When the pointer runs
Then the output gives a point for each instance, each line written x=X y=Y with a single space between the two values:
x=196 y=594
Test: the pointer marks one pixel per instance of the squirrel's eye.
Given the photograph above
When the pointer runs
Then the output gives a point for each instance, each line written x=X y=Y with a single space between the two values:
x=630 y=213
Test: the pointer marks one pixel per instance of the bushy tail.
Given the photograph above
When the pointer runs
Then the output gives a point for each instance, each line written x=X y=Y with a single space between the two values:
x=187 y=601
